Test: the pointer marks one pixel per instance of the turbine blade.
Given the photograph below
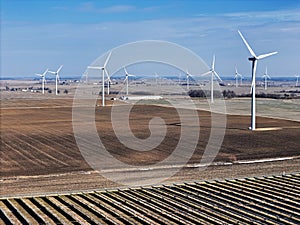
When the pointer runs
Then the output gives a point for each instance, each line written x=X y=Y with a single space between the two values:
x=125 y=70
x=213 y=63
x=46 y=71
x=107 y=59
x=59 y=69
x=247 y=45
x=93 y=67
x=252 y=85
x=106 y=73
x=217 y=75
x=203 y=74
x=52 y=72
x=266 y=55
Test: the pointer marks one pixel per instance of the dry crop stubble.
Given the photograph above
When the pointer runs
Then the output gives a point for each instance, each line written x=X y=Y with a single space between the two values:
x=40 y=141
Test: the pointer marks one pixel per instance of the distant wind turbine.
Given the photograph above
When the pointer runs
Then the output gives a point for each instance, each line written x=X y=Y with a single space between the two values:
x=56 y=78
x=188 y=80
x=237 y=75
x=266 y=77
x=86 y=76
x=127 y=75
x=43 y=76
x=156 y=78
x=213 y=73
x=254 y=59
x=103 y=68
x=297 y=77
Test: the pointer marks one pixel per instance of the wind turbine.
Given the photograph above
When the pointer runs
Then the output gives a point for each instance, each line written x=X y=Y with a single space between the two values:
x=254 y=59
x=213 y=73
x=156 y=78
x=56 y=78
x=103 y=68
x=43 y=76
x=297 y=77
x=187 y=80
x=237 y=75
x=86 y=76
x=266 y=77
x=127 y=75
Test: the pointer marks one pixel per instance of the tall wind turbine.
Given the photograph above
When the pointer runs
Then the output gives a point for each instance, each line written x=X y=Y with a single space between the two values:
x=56 y=78
x=254 y=59
x=213 y=73
x=237 y=75
x=266 y=77
x=103 y=68
x=297 y=78
x=127 y=75
x=43 y=76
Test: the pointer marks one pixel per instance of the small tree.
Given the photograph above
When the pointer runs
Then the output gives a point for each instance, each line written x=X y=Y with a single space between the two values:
x=228 y=94
x=66 y=91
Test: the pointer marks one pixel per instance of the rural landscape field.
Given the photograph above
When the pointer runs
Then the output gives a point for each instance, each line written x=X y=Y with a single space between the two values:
x=38 y=145
x=39 y=156
x=149 y=112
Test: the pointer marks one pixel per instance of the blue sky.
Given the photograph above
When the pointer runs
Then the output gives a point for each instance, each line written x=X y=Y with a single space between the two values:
x=36 y=34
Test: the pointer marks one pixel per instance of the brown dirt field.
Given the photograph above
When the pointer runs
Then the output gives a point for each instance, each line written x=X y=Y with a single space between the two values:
x=39 y=153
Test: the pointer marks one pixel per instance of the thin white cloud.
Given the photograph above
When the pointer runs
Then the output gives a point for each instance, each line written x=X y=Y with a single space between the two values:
x=278 y=15
x=91 y=7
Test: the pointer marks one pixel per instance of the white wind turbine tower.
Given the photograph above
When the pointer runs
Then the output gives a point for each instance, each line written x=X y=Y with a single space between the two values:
x=188 y=80
x=127 y=75
x=297 y=78
x=103 y=68
x=254 y=59
x=213 y=73
x=237 y=75
x=56 y=78
x=43 y=76
x=266 y=77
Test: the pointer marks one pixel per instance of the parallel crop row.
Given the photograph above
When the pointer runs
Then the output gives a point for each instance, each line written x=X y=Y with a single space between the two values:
x=266 y=200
